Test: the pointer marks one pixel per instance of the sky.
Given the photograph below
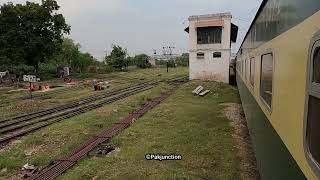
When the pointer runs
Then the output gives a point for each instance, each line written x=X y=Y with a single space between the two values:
x=144 y=25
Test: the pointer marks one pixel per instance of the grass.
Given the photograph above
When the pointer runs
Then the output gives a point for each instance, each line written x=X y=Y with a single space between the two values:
x=11 y=104
x=147 y=74
x=57 y=140
x=184 y=124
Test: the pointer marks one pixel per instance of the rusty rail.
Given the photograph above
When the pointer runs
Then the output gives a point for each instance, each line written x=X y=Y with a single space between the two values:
x=59 y=166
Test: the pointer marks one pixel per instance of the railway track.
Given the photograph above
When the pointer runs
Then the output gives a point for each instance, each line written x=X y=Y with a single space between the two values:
x=49 y=94
x=24 y=124
x=69 y=105
x=58 y=167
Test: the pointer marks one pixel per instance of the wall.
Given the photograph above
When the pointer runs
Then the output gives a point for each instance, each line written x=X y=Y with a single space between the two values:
x=210 y=68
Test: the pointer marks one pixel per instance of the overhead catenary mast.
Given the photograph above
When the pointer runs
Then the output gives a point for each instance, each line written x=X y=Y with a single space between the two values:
x=167 y=52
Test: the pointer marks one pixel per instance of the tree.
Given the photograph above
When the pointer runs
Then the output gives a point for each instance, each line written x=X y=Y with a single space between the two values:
x=183 y=60
x=83 y=61
x=69 y=51
x=33 y=32
x=142 y=61
x=117 y=57
x=129 y=61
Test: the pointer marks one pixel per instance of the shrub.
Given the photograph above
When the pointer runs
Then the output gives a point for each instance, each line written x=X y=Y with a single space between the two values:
x=108 y=69
x=142 y=61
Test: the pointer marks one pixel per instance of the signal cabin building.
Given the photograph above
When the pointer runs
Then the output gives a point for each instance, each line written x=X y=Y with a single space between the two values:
x=210 y=38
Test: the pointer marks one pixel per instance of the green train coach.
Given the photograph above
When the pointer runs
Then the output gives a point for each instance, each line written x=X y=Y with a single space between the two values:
x=278 y=75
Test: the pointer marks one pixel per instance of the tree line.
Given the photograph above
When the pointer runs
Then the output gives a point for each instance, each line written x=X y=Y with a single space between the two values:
x=32 y=41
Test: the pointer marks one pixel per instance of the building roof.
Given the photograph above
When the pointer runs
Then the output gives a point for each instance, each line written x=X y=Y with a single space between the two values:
x=209 y=23
x=210 y=16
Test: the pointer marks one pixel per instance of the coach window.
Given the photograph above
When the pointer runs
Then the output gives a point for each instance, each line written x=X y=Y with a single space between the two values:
x=252 y=70
x=245 y=69
x=316 y=66
x=242 y=68
x=266 y=78
x=248 y=69
x=313 y=105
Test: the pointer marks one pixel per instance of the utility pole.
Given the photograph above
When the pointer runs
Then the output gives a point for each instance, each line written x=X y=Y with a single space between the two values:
x=167 y=52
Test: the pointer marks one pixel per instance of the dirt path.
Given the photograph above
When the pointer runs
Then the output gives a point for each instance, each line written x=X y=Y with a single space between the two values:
x=248 y=166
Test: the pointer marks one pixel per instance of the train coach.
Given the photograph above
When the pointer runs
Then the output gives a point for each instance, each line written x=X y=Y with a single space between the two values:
x=278 y=75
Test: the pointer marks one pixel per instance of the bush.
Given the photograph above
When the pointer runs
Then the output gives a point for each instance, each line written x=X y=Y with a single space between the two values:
x=142 y=61
x=161 y=62
x=83 y=75
x=47 y=68
x=21 y=70
x=47 y=71
x=108 y=69
x=171 y=63
x=92 y=69
x=183 y=60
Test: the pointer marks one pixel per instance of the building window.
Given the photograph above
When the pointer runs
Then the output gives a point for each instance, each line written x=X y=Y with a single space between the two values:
x=217 y=55
x=313 y=105
x=200 y=55
x=209 y=35
x=252 y=71
x=266 y=78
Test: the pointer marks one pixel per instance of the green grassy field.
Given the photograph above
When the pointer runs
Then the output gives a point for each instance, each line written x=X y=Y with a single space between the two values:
x=191 y=126
x=11 y=103
x=184 y=124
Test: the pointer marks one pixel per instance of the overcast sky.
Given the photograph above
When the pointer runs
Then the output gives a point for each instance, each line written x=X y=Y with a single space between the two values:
x=144 y=25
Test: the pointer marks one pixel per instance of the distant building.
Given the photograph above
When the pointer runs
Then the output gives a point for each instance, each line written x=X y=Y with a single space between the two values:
x=152 y=61
x=210 y=38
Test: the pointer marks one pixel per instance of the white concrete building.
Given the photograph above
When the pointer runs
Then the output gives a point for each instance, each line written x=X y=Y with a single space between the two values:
x=210 y=38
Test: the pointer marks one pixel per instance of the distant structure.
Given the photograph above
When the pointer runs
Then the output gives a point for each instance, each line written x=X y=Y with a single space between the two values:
x=165 y=57
x=210 y=38
x=167 y=54
x=152 y=61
